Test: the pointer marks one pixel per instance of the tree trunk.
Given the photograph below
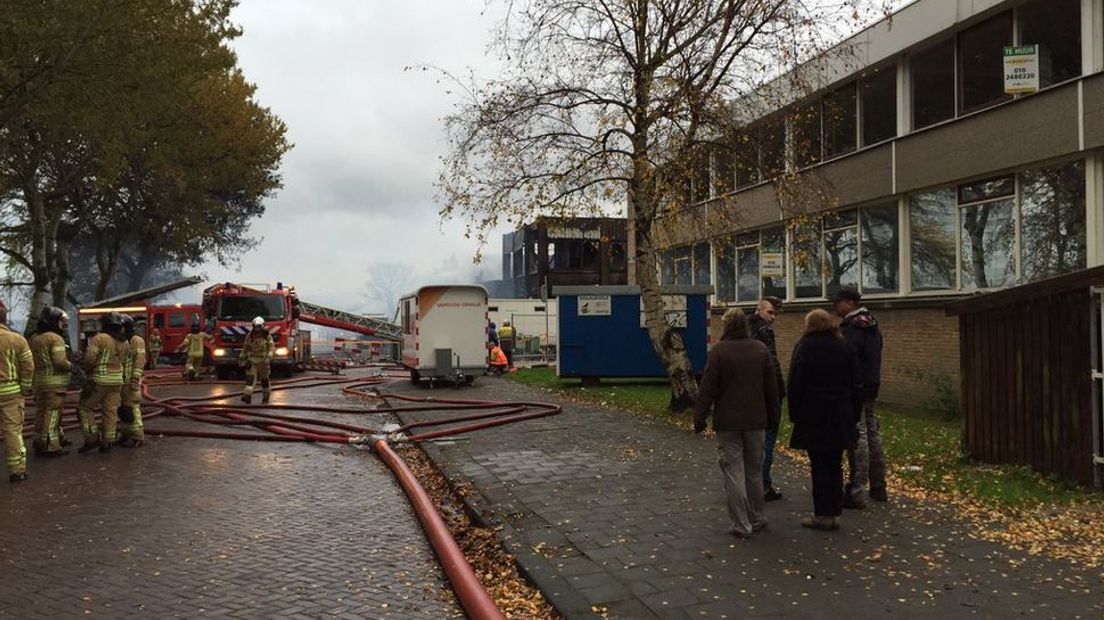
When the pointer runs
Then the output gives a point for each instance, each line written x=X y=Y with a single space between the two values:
x=107 y=261
x=36 y=207
x=62 y=274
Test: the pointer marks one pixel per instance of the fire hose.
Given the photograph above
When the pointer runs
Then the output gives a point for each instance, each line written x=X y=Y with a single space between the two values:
x=473 y=415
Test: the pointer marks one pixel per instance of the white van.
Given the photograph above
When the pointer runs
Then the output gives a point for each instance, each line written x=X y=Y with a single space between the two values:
x=444 y=333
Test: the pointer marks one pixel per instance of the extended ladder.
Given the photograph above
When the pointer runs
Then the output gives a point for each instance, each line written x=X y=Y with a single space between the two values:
x=349 y=321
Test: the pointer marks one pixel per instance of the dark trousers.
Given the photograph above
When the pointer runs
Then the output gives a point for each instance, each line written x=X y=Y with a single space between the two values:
x=827 y=467
x=768 y=457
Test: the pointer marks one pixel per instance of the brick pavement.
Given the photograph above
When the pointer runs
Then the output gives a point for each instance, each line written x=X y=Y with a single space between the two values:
x=618 y=513
x=190 y=527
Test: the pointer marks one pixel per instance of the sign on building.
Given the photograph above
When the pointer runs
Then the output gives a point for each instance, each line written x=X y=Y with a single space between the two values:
x=1022 y=68
x=595 y=305
x=772 y=265
x=674 y=311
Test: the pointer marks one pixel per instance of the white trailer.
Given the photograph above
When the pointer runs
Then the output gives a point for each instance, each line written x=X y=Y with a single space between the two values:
x=444 y=333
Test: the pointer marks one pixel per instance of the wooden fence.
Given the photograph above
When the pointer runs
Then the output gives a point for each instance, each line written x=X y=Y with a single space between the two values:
x=1028 y=355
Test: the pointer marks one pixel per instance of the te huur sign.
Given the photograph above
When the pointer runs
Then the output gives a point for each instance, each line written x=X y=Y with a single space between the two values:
x=1023 y=69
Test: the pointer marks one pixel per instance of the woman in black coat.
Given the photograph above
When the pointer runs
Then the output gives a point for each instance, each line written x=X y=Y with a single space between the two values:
x=824 y=409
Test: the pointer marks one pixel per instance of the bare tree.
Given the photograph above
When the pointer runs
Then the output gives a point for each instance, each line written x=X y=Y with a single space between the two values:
x=611 y=101
x=385 y=284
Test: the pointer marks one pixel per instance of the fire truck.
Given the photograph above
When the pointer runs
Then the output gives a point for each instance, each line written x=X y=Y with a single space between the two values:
x=226 y=312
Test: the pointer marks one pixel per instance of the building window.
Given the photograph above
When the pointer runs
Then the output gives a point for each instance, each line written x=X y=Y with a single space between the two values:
x=667 y=268
x=981 y=63
x=702 y=268
x=841 y=251
x=507 y=266
x=618 y=262
x=747 y=267
x=988 y=235
x=723 y=170
x=726 y=269
x=880 y=239
x=772 y=148
x=684 y=270
x=806 y=132
x=772 y=262
x=932 y=240
x=807 y=260
x=879 y=105
x=840 y=112
x=746 y=157
x=933 y=84
x=531 y=256
x=1055 y=26
x=1052 y=207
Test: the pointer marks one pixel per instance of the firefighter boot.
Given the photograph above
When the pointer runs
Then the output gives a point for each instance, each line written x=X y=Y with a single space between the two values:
x=266 y=391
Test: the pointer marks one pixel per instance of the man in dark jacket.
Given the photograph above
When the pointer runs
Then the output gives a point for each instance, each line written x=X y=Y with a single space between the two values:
x=867 y=460
x=739 y=384
x=761 y=325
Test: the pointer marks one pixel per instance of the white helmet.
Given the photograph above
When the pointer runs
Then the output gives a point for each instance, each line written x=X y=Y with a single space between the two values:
x=258 y=322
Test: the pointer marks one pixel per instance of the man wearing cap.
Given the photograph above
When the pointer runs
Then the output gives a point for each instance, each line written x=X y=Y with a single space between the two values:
x=867 y=460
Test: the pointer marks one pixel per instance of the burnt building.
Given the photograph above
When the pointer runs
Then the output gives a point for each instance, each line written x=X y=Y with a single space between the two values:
x=562 y=251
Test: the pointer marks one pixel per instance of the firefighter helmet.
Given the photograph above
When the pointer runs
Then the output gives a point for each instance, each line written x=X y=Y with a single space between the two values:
x=112 y=323
x=53 y=319
x=128 y=325
x=258 y=323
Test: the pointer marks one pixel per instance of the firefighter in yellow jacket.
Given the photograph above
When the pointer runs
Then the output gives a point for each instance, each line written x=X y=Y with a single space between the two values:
x=131 y=434
x=154 y=348
x=195 y=344
x=256 y=356
x=15 y=380
x=104 y=357
x=51 y=378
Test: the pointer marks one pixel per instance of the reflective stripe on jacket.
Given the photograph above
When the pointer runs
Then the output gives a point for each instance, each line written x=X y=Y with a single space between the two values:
x=135 y=363
x=105 y=358
x=51 y=360
x=17 y=371
x=258 y=347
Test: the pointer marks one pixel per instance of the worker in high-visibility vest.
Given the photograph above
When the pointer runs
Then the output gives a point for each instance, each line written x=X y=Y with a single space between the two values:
x=507 y=338
x=16 y=377
x=131 y=433
x=496 y=359
x=51 y=379
x=256 y=355
x=154 y=348
x=195 y=344
x=104 y=358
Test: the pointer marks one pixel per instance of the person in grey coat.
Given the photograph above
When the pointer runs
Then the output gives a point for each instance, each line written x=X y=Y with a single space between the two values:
x=740 y=387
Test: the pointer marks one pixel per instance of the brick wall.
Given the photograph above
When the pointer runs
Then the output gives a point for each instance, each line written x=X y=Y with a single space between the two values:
x=920 y=363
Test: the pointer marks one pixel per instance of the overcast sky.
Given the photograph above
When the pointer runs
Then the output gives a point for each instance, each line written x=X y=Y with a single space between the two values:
x=358 y=185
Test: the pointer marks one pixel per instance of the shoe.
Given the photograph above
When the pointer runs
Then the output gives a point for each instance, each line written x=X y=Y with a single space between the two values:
x=824 y=524
x=738 y=534
x=130 y=442
x=760 y=526
x=21 y=477
x=65 y=443
x=772 y=495
x=88 y=446
x=105 y=448
x=853 y=503
x=879 y=494
x=264 y=399
x=247 y=399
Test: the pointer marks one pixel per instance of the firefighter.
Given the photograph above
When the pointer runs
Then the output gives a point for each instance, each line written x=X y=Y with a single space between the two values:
x=51 y=378
x=256 y=356
x=104 y=359
x=16 y=377
x=194 y=344
x=131 y=434
x=154 y=348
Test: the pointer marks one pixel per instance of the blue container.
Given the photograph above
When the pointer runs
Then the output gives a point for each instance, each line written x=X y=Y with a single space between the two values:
x=601 y=334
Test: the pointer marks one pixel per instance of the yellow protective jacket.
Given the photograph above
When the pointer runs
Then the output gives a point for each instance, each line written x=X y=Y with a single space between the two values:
x=258 y=348
x=17 y=371
x=51 y=360
x=155 y=342
x=104 y=358
x=194 y=344
x=135 y=362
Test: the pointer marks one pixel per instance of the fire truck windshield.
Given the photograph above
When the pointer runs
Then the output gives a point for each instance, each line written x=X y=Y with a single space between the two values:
x=246 y=307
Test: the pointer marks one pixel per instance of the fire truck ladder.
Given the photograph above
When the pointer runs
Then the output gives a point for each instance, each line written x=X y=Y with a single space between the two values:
x=339 y=319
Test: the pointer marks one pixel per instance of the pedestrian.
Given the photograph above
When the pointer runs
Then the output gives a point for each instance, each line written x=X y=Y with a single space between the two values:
x=761 y=325
x=492 y=333
x=51 y=379
x=507 y=339
x=16 y=380
x=867 y=461
x=195 y=345
x=740 y=386
x=256 y=355
x=103 y=359
x=496 y=359
x=154 y=348
x=824 y=407
x=131 y=431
